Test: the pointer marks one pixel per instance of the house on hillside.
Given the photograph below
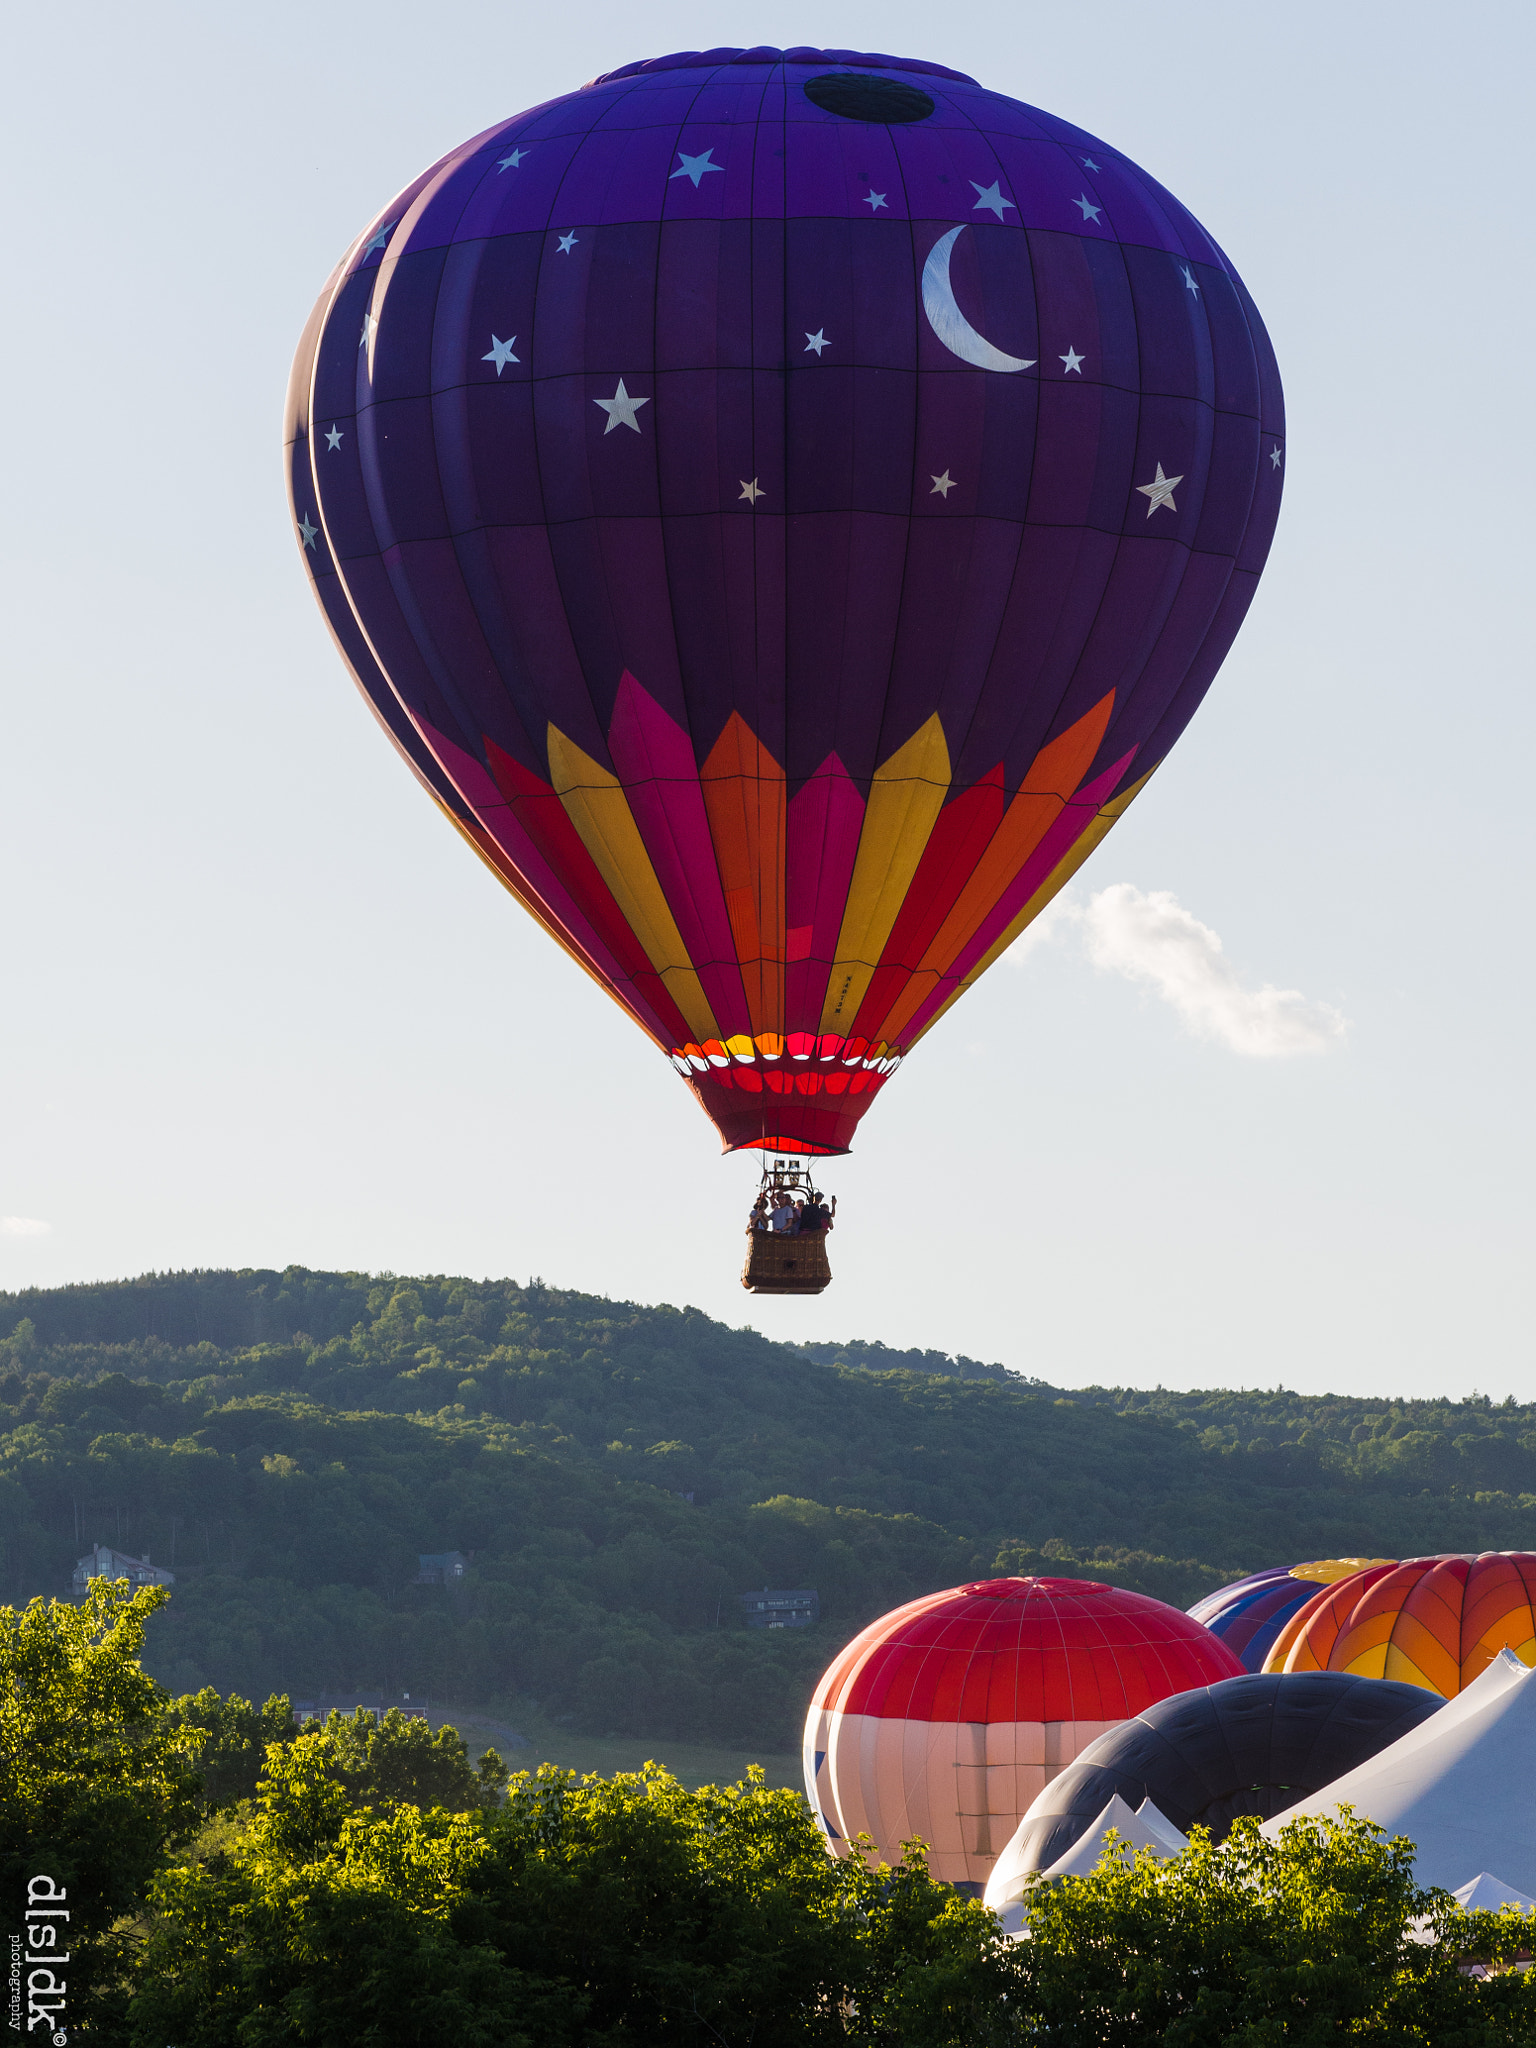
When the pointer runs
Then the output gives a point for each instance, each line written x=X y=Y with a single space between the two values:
x=103 y=1562
x=771 y=1609
x=440 y=1567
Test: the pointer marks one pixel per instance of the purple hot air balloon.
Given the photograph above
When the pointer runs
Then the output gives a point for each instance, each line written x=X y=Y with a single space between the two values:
x=784 y=505
x=1249 y=1614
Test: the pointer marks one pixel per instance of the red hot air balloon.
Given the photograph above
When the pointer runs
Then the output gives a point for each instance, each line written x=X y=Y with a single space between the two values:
x=784 y=505
x=947 y=1716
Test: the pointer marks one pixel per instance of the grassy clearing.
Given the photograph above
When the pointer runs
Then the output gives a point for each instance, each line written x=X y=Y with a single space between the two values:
x=692 y=1763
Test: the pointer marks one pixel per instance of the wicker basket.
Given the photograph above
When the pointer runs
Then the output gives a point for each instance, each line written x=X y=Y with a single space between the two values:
x=786 y=1264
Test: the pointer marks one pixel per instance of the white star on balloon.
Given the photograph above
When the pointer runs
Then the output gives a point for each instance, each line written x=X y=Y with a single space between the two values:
x=500 y=353
x=1274 y=456
x=1073 y=361
x=369 y=323
x=1089 y=164
x=621 y=409
x=1089 y=210
x=333 y=438
x=308 y=531
x=942 y=486
x=1160 y=491
x=874 y=200
x=568 y=242
x=1189 y=279
x=694 y=167
x=510 y=163
x=381 y=237
x=816 y=341
x=750 y=491
x=990 y=196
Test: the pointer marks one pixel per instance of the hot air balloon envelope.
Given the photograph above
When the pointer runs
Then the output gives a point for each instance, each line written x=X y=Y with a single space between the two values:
x=947 y=1716
x=1432 y=1621
x=1249 y=1614
x=784 y=505
x=1253 y=1744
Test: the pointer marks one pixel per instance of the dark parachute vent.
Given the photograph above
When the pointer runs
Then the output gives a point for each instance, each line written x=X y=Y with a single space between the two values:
x=863 y=98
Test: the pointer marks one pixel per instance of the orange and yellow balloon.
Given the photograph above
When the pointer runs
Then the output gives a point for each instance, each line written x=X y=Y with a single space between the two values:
x=1438 y=1622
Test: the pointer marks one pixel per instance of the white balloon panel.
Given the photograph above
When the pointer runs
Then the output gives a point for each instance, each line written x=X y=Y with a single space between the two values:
x=961 y=1786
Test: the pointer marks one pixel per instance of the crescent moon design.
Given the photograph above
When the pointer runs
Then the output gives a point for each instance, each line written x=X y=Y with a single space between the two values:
x=947 y=320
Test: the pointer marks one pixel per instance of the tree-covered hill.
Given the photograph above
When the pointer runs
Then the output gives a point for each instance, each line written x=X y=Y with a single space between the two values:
x=290 y=1442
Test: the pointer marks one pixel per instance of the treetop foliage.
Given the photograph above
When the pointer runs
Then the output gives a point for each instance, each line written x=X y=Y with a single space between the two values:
x=95 y=1779
x=1318 y=1935
x=582 y=1912
x=379 y=1761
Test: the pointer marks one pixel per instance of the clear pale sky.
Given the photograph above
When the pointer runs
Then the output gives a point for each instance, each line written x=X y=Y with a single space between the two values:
x=262 y=1006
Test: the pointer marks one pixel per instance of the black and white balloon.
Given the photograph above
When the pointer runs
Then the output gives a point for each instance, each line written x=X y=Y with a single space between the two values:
x=1255 y=1744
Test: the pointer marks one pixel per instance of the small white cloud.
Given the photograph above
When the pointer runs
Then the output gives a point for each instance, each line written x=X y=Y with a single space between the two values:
x=23 y=1226
x=1058 y=918
x=1148 y=936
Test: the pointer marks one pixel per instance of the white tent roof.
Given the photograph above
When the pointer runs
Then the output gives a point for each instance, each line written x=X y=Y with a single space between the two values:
x=1480 y=1894
x=1143 y=1827
x=1461 y=1786
x=1166 y=1838
x=1485 y=1894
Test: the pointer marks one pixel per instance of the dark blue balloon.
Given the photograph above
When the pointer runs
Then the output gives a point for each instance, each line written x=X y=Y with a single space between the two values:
x=1255 y=1744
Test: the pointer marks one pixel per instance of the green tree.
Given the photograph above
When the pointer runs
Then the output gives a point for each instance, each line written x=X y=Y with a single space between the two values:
x=399 y=1761
x=580 y=1913
x=329 y=1928
x=235 y=1736
x=1318 y=1936
x=718 y=1915
x=96 y=1783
